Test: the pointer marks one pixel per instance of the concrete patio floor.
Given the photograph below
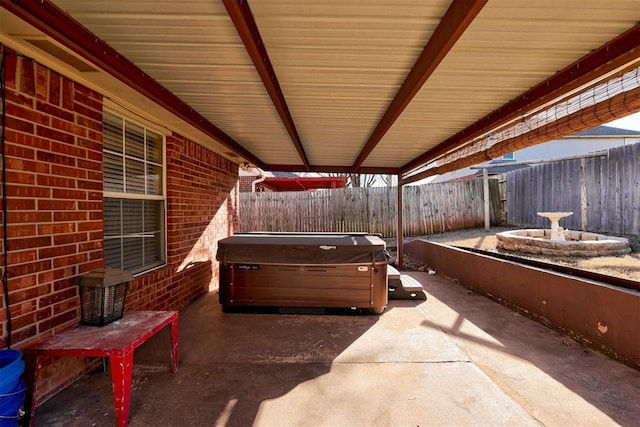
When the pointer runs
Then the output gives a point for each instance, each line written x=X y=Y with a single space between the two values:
x=455 y=359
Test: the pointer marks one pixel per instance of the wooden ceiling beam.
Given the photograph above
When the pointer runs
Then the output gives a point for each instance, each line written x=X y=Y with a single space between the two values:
x=607 y=59
x=453 y=24
x=58 y=25
x=242 y=19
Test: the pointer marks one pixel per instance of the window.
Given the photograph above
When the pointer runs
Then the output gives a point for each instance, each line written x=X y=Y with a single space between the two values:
x=134 y=199
x=508 y=156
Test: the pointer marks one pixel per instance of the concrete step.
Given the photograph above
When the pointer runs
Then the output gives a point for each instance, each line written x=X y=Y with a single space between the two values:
x=402 y=286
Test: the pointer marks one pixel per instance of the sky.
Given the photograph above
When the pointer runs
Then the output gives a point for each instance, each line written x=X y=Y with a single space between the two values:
x=631 y=122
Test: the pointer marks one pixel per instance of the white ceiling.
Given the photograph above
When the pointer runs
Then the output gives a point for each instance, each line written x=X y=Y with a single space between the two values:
x=339 y=65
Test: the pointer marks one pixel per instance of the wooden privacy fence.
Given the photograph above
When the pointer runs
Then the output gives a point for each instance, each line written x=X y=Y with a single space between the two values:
x=603 y=193
x=428 y=209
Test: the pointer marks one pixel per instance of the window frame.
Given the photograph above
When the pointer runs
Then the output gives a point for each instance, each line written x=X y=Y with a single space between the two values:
x=126 y=116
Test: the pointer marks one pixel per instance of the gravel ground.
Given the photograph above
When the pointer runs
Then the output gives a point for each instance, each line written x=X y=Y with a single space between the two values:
x=627 y=266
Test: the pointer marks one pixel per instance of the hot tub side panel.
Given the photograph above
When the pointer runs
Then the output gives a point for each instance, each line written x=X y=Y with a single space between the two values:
x=346 y=285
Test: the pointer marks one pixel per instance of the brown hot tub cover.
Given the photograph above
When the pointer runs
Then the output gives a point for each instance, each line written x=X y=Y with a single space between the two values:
x=302 y=248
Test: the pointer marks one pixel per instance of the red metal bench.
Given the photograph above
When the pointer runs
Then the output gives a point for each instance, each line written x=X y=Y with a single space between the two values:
x=117 y=341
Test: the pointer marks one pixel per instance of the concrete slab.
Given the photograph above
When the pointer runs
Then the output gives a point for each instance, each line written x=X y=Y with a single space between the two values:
x=455 y=359
x=395 y=394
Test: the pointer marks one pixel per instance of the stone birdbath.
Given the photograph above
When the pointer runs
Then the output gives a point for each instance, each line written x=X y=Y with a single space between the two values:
x=556 y=230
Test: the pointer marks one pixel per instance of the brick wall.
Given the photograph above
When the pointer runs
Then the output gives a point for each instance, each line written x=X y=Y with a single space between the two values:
x=54 y=191
x=245 y=183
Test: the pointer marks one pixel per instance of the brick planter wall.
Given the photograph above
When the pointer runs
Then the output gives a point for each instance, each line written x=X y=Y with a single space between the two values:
x=55 y=229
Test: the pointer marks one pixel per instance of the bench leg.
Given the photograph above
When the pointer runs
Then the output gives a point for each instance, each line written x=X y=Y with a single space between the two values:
x=31 y=381
x=174 y=344
x=121 y=374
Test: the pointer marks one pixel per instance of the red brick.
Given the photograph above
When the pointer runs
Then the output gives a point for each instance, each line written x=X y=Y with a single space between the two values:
x=23 y=282
x=21 y=257
x=26 y=191
x=27 y=243
x=70 y=259
x=21 y=230
x=56 y=205
x=59 y=193
x=67 y=94
x=66 y=305
x=96 y=256
x=55 y=135
x=56 y=158
x=58 y=320
x=54 y=275
x=19 y=125
x=27 y=113
x=90 y=185
x=23 y=178
x=17 y=217
x=64 y=239
x=21 y=204
x=54 y=89
x=65 y=126
x=30 y=293
x=19 y=99
x=28 y=79
x=56 y=251
x=26 y=165
x=89 y=123
x=89 y=266
x=30 y=141
x=22 y=335
x=93 y=175
x=93 y=166
x=42 y=82
x=55 y=111
x=55 y=181
x=74 y=172
x=23 y=307
x=90 y=246
x=27 y=319
x=68 y=149
x=88 y=99
x=69 y=216
x=90 y=206
x=90 y=226
x=96 y=235
x=57 y=228
x=11 y=70
x=95 y=114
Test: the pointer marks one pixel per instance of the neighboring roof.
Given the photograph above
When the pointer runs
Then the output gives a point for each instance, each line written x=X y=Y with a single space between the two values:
x=502 y=166
x=329 y=86
x=285 y=175
x=608 y=131
x=302 y=183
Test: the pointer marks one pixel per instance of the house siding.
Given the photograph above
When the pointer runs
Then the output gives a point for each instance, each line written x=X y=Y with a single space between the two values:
x=54 y=201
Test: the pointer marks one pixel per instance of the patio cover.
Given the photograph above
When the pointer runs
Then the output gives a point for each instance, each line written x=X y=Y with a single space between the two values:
x=370 y=86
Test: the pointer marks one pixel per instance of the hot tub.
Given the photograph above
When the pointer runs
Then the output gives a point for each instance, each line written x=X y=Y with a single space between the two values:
x=324 y=270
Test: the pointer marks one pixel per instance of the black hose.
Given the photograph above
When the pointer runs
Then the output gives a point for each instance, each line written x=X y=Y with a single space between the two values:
x=3 y=122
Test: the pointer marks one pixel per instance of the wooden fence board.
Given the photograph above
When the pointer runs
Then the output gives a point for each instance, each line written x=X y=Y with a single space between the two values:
x=428 y=209
x=612 y=186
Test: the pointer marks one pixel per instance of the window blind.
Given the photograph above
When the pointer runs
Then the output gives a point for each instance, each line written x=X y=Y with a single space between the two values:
x=134 y=209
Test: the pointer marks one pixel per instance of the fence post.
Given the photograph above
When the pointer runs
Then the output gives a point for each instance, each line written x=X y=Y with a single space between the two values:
x=583 y=193
x=485 y=184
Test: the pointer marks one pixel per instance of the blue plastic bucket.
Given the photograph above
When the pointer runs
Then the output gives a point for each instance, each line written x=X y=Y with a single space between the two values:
x=11 y=387
x=11 y=369
x=11 y=404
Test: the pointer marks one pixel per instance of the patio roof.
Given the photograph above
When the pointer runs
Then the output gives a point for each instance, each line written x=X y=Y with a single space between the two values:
x=336 y=86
